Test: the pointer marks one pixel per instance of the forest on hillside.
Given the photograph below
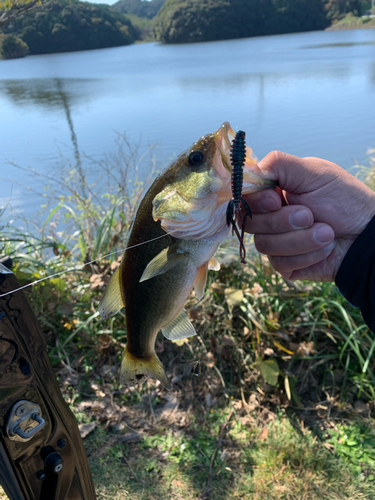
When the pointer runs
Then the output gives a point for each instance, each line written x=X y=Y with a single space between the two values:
x=71 y=25
x=182 y=21
x=141 y=8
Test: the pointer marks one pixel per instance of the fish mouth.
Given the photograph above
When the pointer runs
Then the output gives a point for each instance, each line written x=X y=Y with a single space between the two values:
x=223 y=138
x=252 y=182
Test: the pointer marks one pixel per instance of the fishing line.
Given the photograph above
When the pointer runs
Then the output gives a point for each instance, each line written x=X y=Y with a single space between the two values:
x=79 y=268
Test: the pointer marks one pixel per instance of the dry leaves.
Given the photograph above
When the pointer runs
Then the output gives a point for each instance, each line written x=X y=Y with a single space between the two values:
x=85 y=429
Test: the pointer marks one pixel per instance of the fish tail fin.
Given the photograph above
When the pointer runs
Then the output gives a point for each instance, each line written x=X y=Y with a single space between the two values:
x=136 y=370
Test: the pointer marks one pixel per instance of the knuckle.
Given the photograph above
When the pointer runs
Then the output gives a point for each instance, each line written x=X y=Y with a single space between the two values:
x=276 y=222
x=279 y=155
x=280 y=264
x=260 y=242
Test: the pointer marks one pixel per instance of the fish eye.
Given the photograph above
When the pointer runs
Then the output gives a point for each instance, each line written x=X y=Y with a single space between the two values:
x=196 y=158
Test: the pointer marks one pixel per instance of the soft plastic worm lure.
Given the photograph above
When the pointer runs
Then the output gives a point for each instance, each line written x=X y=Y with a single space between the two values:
x=238 y=156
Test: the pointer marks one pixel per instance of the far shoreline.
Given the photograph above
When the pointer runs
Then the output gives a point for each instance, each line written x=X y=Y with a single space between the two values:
x=351 y=22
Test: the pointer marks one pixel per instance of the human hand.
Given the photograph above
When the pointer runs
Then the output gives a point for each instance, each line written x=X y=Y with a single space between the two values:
x=327 y=209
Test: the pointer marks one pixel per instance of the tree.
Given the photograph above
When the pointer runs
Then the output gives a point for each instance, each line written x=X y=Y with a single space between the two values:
x=337 y=9
x=69 y=25
x=183 y=21
x=13 y=48
x=11 y=9
x=141 y=8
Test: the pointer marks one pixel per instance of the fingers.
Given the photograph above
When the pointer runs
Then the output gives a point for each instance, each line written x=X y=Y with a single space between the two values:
x=294 y=243
x=287 y=265
x=324 y=187
x=265 y=201
x=319 y=265
x=321 y=271
x=298 y=175
x=288 y=218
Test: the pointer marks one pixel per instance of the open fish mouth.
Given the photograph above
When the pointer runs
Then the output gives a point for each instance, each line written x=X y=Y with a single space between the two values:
x=224 y=137
x=194 y=206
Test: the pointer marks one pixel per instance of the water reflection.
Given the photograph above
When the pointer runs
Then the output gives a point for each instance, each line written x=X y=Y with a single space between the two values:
x=240 y=82
x=64 y=99
x=338 y=44
x=54 y=94
x=305 y=102
x=46 y=93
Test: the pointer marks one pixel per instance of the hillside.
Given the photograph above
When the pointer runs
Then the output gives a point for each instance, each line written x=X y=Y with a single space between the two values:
x=142 y=14
x=65 y=26
x=350 y=22
x=72 y=25
x=140 y=8
x=182 y=21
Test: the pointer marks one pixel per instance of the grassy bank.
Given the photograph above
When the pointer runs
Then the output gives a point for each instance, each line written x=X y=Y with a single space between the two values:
x=351 y=22
x=272 y=400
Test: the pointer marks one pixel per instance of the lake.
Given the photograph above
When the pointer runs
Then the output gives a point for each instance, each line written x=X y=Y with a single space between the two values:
x=309 y=94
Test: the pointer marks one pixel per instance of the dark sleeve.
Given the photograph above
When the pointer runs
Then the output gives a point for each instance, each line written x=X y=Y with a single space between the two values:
x=356 y=275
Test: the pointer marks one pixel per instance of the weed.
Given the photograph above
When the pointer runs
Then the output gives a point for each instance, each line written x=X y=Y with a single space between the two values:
x=261 y=398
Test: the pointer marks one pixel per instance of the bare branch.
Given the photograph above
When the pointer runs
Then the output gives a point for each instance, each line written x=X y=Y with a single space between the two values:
x=9 y=11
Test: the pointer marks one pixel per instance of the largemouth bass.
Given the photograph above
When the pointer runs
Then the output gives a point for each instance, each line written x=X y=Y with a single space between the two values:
x=178 y=227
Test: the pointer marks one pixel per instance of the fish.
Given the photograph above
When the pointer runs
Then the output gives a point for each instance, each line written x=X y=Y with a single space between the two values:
x=179 y=225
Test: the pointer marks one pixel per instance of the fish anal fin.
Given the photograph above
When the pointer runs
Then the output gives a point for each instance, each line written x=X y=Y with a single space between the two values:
x=179 y=328
x=213 y=264
x=112 y=301
x=163 y=262
x=136 y=370
x=200 y=281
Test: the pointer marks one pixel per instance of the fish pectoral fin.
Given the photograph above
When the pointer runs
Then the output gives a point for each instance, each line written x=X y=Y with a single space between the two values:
x=179 y=328
x=200 y=281
x=213 y=264
x=112 y=301
x=136 y=370
x=163 y=262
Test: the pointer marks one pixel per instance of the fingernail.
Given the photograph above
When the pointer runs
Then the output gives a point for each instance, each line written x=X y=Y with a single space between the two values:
x=323 y=234
x=300 y=219
x=268 y=204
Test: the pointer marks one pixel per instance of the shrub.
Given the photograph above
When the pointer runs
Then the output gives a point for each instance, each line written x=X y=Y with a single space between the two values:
x=14 y=47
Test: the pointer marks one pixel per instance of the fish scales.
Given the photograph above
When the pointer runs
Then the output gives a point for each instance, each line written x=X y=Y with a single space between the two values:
x=156 y=295
x=178 y=226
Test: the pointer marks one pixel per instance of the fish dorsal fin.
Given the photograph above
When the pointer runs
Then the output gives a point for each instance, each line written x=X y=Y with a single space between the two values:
x=200 y=281
x=112 y=301
x=179 y=328
x=213 y=264
x=163 y=262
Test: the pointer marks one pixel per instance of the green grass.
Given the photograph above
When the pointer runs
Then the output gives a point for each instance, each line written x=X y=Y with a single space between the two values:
x=254 y=459
x=288 y=462
x=281 y=407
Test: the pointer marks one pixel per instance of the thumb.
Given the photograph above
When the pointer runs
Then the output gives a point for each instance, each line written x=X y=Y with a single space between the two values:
x=297 y=175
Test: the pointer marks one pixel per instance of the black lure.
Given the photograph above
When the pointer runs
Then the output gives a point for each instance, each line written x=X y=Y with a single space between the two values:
x=238 y=157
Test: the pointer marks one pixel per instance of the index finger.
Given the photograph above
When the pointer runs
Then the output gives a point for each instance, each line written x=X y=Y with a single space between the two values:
x=265 y=201
x=297 y=175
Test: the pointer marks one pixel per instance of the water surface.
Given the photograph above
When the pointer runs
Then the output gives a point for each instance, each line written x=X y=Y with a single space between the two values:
x=309 y=94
